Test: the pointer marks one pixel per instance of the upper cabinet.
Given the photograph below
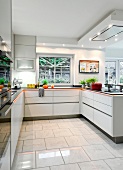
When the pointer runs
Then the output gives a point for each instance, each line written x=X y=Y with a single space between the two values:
x=6 y=21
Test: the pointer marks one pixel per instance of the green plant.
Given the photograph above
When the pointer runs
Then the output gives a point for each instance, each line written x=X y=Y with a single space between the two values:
x=91 y=80
x=82 y=82
x=45 y=82
x=2 y=80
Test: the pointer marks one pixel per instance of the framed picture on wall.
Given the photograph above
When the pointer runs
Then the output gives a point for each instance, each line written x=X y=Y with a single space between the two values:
x=88 y=66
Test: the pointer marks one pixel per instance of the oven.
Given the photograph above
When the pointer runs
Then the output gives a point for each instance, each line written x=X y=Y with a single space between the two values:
x=5 y=97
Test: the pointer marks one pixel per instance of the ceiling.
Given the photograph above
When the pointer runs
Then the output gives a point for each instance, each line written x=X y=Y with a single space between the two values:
x=64 y=21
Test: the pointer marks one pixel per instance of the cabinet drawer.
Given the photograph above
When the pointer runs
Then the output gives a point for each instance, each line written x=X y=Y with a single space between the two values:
x=103 y=121
x=103 y=99
x=87 y=94
x=66 y=99
x=38 y=100
x=66 y=109
x=66 y=92
x=104 y=108
x=87 y=101
x=36 y=94
x=88 y=112
x=38 y=110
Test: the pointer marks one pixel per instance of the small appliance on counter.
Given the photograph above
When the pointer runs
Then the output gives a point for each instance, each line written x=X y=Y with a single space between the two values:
x=96 y=86
x=17 y=83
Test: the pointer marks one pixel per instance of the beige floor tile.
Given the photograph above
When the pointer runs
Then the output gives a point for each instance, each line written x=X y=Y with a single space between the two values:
x=65 y=125
x=33 y=127
x=44 y=134
x=34 y=142
x=115 y=164
x=79 y=131
x=50 y=126
x=27 y=135
x=66 y=167
x=52 y=143
x=76 y=141
x=62 y=132
x=115 y=149
x=94 y=165
x=24 y=161
x=46 y=168
x=72 y=120
x=41 y=122
x=74 y=155
x=97 y=152
x=48 y=158
x=78 y=124
x=31 y=148
x=56 y=120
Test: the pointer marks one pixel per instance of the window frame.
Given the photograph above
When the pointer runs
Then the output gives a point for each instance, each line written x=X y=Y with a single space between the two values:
x=56 y=56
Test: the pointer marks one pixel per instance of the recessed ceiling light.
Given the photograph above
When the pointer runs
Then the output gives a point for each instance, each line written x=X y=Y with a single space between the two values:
x=98 y=33
x=43 y=43
x=100 y=47
x=63 y=45
x=3 y=41
x=82 y=45
x=105 y=40
x=90 y=39
x=116 y=35
x=110 y=26
x=116 y=39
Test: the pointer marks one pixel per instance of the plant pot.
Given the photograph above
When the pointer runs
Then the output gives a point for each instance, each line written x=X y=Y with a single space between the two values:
x=45 y=86
x=1 y=86
x=83 y=86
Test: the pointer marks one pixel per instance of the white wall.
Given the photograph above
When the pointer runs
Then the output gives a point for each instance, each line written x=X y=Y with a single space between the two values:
x=114 y=53
x=80 y=55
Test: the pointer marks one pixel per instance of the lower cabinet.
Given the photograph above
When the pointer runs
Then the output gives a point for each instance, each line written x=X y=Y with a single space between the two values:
x=34 y=110
x=66 y=108
x=88 y=112
x=103 y=121
x=5 y=162
x=17 y=113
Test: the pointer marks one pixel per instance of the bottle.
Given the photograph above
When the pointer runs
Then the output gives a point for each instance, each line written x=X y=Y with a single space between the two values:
x=9 y=85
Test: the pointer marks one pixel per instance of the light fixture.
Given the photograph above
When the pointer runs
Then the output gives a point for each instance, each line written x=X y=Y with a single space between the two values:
x=100 y=47
x=82 y=45
x=116 y=35
x=90 y=39
x=43 y=43
x=98 y=33
x=63 y=45
x=116 y=39
x=105 y=40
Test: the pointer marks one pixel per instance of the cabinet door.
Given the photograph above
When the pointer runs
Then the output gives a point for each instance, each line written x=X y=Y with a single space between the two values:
x=66 y=109
x=87 y=112
x=105 y=99
x=34 y=93
x=17 y=113
x=87 y=101
x=38 y=100
x=103 y=121
x=88 y=94
x=66 y=92
x=34 y=110
x=103 y=107
x=66 y=99
x=5 y=161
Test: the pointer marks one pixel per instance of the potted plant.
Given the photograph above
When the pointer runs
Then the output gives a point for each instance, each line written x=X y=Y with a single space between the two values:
x=82 y=82
x=2 y=81
x=91 y=81
x=45 y=82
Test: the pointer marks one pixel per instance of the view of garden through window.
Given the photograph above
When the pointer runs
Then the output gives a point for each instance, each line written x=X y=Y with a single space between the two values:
x=54 y=69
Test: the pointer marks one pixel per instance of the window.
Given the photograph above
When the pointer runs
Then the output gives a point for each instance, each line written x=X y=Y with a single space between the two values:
x=55 y=69
x=121 y=71
x=110 y=72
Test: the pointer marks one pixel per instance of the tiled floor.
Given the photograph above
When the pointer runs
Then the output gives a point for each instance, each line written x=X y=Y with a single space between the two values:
x=66 y=144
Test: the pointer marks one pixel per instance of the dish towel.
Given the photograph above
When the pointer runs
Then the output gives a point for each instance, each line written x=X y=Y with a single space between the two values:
x=41 y=92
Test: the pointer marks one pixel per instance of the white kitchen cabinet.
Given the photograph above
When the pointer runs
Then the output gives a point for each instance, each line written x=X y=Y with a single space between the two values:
x=25 y=51
x=103 y=121
x=35 y=93
x=17 y=113
x=66 y=109
x=24 y=64
x=103 y=107
x=67 y=92
x=88 y=101
x=88 y=94
x=5 y=161
x=38 y=110
x=66 y=99
x=25 y=40
x=38 y=100
x=102 y=98
x=88 y=112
